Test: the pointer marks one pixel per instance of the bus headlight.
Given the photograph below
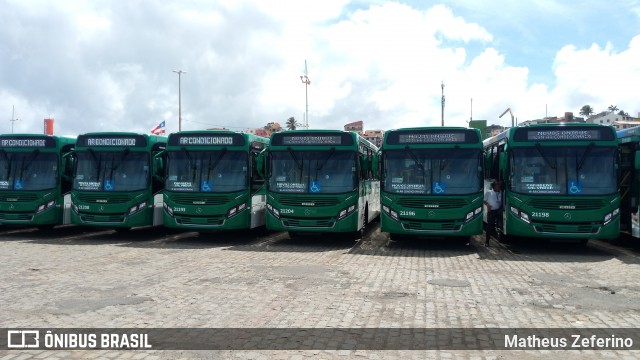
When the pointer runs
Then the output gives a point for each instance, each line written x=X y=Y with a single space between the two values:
x=74 y=207
x=273 y=211
x=167 y=208
x=521 y=214
x=46 y=206
x=472 y=214
x=346 y=211
x=236 y=209
x=610 y=216
x=135 y=208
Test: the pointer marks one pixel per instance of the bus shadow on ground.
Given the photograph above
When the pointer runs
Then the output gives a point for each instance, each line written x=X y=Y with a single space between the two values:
x=52 y=235
x=542 y=250
x=189 y=239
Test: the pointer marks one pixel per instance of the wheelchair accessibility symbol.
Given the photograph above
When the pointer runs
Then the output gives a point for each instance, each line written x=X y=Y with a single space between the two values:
x=206 y=185
x=108 y=185
x=575 y=187
x=315 y=187
x=438 y=187
x=19 y=184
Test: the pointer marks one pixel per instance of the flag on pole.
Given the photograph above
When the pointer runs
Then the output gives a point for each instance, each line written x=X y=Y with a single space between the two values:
x=159 y=129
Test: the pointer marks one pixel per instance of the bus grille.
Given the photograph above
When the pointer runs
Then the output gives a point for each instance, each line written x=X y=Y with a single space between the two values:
x=317 y=201
x=215 y=221
x=420 y=203
x=16 y=217
x=317 y=223
x=431 y=226
x=555 y=204
x=104 y=198
x=576 y=229
x=17 y=197
x=102 y=218
x=200 y=199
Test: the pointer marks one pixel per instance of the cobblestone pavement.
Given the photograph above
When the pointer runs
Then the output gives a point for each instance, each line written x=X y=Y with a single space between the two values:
x=156 y=278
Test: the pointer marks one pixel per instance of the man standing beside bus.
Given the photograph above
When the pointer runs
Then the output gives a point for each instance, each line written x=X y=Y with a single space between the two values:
x=493 y=201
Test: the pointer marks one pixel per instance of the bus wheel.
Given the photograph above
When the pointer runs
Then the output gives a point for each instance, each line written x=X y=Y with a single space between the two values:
x=294 y=235
x=464 y=240
x=399 y=237
x=122 y=229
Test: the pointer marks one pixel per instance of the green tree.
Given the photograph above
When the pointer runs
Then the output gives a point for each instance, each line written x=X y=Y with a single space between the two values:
x=612 y=108
x=291 y=123
x=586 y=111
x=623 y=113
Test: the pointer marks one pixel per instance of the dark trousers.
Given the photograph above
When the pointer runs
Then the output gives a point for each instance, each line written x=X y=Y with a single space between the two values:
x=493 y=222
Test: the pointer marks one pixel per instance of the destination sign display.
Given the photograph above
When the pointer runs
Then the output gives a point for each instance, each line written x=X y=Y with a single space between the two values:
x=112 y=141
x=27 y=142
x=565 y=134
x=307 y=139
x=432 y=137
x=204 y=139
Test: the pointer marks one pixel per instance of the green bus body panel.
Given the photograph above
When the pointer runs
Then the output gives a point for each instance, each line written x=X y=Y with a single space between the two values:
x=210 y=210
x=555 y=216
x=629 y=146
x=21 y=207
x=428 y=215
x=320 y=213
x=112 y=209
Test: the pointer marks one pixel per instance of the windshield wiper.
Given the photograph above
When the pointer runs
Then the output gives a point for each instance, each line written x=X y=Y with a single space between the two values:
x=539 y=148
x=7 y=166
x=584 y=155
x=320 y=165
x=97 y=161
x=414 y=157
x=25 y=166
x=299 y=164
x=114 y=168
x=212 y=166
x=191 y=165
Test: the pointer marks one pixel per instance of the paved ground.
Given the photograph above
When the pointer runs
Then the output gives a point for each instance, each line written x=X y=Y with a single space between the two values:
x=155 y=278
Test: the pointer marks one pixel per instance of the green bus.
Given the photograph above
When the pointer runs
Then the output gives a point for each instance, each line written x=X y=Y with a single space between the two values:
x=212 y=181
x=320 y=181
x=629 y=145
x=118 y=180
x=35 y=179
x=431 y=182
x=560 y=181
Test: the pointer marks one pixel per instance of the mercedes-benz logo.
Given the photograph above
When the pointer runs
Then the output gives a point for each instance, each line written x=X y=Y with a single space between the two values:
x=101 y=208
x=431 y=213
x=198 y=210
x=567 y=216
x=11 y=207
x=307 y=212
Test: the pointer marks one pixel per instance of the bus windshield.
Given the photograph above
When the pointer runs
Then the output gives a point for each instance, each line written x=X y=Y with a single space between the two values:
x=575 y=170
x=207 y=171
x=111 y=171
x=316 y=172
x=34 y=170
x=432 y=171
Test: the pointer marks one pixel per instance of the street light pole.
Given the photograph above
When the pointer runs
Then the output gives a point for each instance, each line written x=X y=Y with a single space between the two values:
x=179 y=72
x=13 y=117
x=442 y=111
x=306 y=82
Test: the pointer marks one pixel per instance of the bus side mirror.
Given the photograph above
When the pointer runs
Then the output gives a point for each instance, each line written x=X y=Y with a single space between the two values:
x=637 y=160
x=68 y=162
x=375 y=165
x=261 y=162
x=158 y=166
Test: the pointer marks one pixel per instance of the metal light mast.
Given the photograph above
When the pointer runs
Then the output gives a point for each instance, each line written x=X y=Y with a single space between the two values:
x=306 y=82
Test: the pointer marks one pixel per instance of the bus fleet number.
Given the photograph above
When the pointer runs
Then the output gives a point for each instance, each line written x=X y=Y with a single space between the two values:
x=407 y=213
x=540 y=214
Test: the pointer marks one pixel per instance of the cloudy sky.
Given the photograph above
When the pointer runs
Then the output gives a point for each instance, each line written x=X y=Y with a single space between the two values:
x=107 y=65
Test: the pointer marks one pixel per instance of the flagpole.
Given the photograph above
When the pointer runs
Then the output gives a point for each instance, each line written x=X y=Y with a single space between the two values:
x=179 y=72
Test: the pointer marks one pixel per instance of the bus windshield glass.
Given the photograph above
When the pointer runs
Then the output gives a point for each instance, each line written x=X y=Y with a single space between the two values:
x=432 y=171
x=111 y=171
x=576 y=170
x=34 y=170
x=315 y=172
x=207 y=171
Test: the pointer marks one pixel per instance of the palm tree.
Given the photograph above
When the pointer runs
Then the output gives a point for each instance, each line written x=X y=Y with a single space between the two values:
x=291 y=123
x=623 y=113
x=612 y=108
x=586 y=111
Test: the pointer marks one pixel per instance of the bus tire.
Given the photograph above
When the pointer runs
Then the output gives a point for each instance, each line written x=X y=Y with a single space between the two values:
x=44 y=228
x=399 y=237
x=122 y=229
